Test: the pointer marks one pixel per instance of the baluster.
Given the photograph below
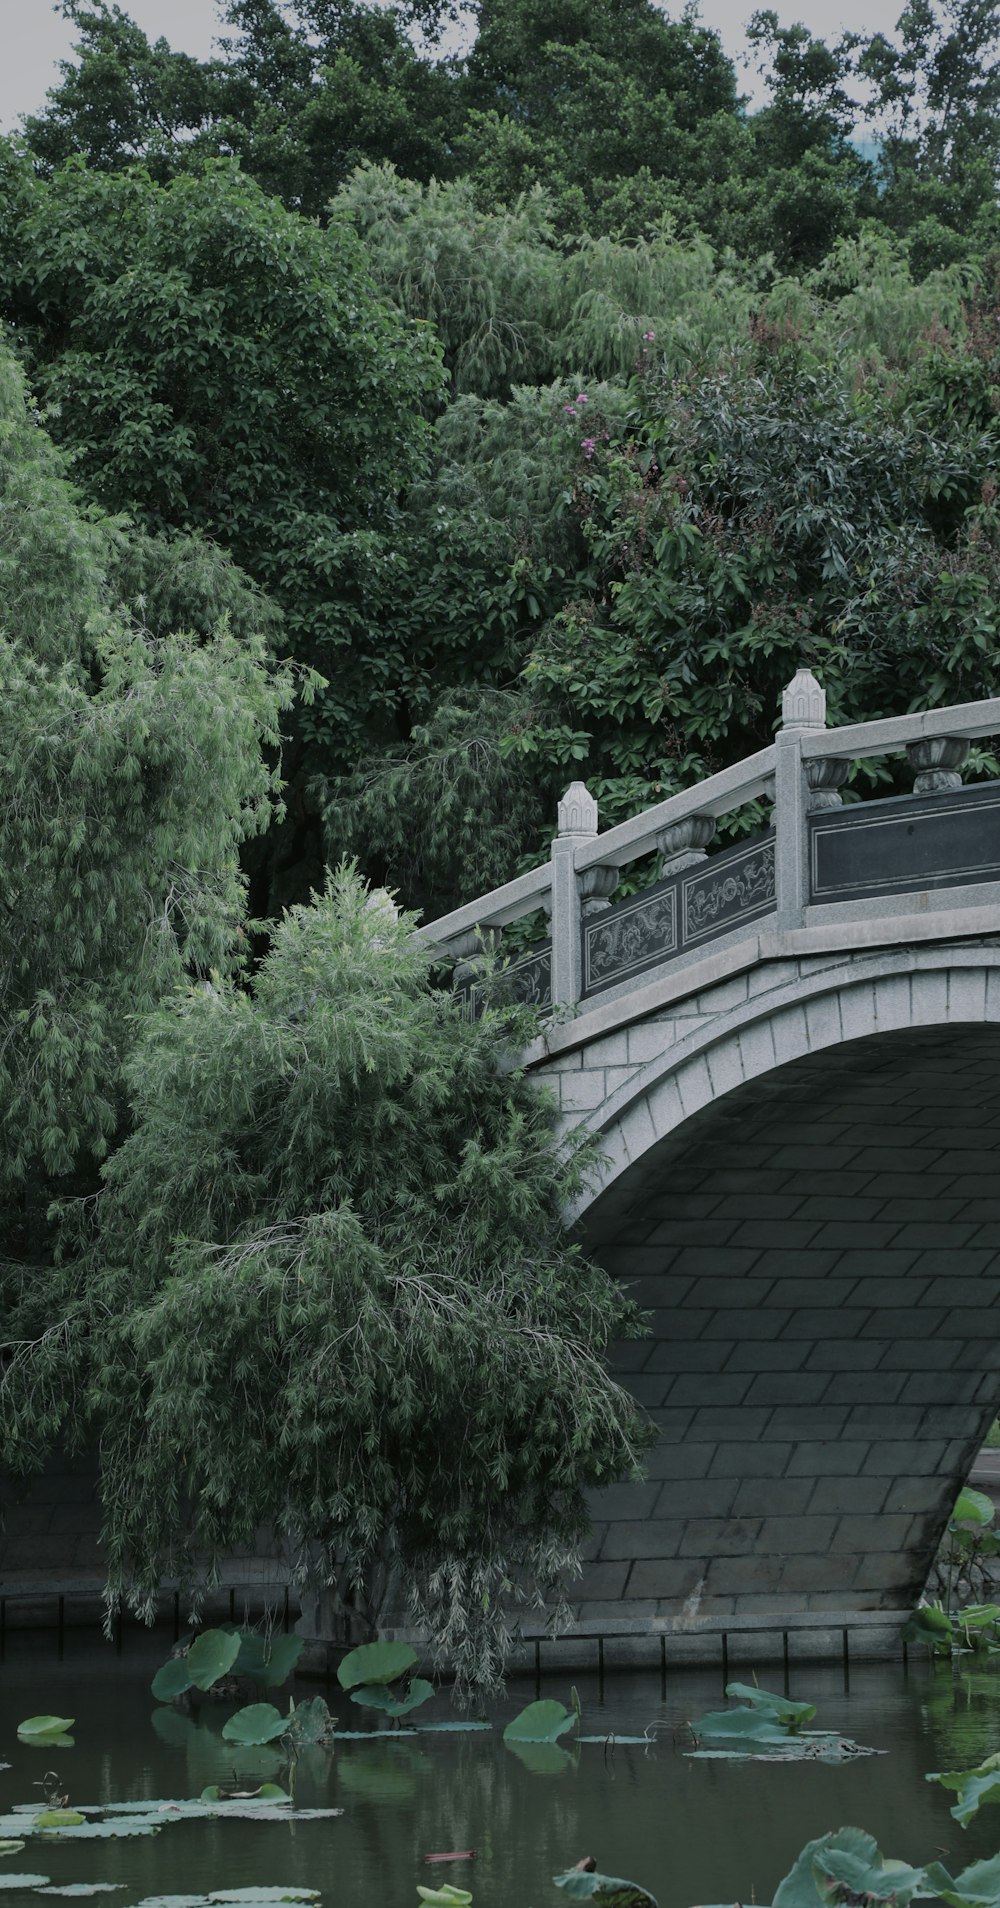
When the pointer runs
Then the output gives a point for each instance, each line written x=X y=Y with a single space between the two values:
x=938 y=761
x=684 y=843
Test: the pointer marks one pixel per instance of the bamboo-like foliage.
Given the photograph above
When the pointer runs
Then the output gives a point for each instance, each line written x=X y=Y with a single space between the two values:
x=327 y=1291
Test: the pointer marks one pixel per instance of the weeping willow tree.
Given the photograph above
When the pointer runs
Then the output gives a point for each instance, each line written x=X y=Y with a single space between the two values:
x=131 y=772
x=327 y=1290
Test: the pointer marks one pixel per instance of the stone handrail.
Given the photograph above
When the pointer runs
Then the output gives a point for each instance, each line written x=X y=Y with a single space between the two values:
x=524 y=895
x=802 y=772
x=895 y=733
x=717 y=795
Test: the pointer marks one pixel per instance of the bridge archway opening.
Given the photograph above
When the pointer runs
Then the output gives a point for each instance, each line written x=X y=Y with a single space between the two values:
x=817 y=1250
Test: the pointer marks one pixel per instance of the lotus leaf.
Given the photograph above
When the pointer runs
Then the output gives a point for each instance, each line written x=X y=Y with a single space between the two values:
x=446 y=1896
x=610 y=1891
x=43 y=1728
x=76 y=1889
x=750 y=1726
x=976 y=1887
x=973 y=1507
x=22 y=1881
x=613 y=1738
x=978 y=1616
x=791 y=1715
x=382 y=1662
x=264 y=1894
x=268 y=1792
x=800 y=1888
x=441 y=1728
x=259 y=1722
x=374 y=1735
x=58 y=1818
x=11 y=1848
x=931 y=1625
x=972 y=1786
x=212 y=1654
x=544 y=1721
x=171 y=1679
x=268 y=1660
x=377 y=1696
x=842 y=1875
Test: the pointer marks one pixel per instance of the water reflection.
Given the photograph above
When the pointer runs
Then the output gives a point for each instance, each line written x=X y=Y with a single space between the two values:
x=689 y=1831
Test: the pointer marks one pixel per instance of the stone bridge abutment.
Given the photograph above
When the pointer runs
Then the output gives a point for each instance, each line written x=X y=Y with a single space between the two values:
x=802 y=1191
x=789 y=1051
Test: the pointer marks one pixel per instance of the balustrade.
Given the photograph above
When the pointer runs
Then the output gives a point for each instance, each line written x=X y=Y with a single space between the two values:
x=819 y=854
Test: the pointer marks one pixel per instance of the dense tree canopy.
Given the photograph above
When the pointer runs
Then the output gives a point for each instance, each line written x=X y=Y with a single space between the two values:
x=542 y=406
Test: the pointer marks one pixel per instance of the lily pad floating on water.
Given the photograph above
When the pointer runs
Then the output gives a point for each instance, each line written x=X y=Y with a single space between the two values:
x=445 y=1896
x=264 y=1897
x=44 y=1729
x=768 y=1727
x=21 y=1881
x=79 y=1889
x=11 y=1848
x=609 y=1891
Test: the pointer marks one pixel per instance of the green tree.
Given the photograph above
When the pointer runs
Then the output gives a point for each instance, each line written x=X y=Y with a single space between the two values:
x=223 y=369
x=132 y=773
x=329 y=1292
x=299 y=98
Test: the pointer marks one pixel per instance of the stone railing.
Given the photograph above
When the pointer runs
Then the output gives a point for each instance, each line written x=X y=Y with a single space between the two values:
x=819 y=859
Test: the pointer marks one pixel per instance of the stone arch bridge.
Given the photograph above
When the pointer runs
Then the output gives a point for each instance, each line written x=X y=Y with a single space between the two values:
x=790 y=1049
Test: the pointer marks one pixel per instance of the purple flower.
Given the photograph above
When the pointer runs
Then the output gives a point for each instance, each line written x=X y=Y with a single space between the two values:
x=588 y=447
x=570 y=410
x=582 y=399
x=649 y=336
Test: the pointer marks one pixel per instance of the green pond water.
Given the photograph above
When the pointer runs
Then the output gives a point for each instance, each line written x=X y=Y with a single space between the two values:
x=690 y=1831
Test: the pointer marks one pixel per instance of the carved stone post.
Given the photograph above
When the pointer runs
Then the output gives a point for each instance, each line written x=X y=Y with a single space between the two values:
x=938 y=761
x=577 y=825
x=803 y=709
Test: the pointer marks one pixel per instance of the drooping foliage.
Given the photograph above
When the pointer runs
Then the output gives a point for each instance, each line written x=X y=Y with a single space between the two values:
x=329 y=1291
x=132 y=773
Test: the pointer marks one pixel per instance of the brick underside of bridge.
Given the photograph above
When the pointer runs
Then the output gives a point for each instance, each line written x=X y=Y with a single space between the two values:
x=817 y=1252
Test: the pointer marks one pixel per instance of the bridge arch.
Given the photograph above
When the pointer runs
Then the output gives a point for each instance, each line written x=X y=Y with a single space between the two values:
x=789 y=1049
x=803 y=1191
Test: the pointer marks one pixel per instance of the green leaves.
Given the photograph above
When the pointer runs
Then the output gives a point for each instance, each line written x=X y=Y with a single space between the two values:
x=381 y=1662
x=769 y=1726
x=543 y=1721
x=257 y=1723
x=243 y=1232
x=44 y=1729
x=973 y=1507
x=974 y=1787
x=211 y=1656
x=609 y=1891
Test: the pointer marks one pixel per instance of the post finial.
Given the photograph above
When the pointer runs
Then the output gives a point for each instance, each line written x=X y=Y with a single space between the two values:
x=803 y=701
x=578 y=811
